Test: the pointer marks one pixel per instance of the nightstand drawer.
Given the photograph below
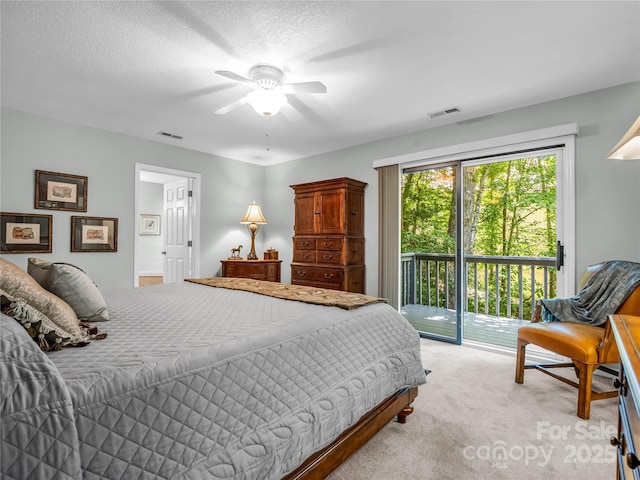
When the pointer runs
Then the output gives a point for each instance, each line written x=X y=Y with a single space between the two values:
x=256 y=269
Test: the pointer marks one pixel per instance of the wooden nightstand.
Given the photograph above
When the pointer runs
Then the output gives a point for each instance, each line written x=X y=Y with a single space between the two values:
x=268 y=270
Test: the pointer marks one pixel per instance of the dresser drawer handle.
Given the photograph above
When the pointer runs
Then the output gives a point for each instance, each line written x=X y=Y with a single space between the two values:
x=354 y=212
x=316 y=213
x=305 y=255
x=301 y=273
x=328 y=275
x=327 y=244
x=354 y=250
x=355 y=282
x=620 y=385
x=304 y=244
x=328 y=257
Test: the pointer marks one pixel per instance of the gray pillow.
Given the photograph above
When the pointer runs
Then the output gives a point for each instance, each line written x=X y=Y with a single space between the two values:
x=47 y=318
x=73 y=286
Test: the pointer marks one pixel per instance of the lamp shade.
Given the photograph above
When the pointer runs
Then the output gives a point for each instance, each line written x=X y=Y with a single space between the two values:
x=628 y=148
x=254 y=215
x=267 y=102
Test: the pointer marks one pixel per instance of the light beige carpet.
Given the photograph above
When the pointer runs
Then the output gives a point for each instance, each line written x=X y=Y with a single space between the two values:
x=473 y=422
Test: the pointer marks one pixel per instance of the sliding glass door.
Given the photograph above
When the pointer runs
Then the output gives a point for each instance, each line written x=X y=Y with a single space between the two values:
x=479 y=245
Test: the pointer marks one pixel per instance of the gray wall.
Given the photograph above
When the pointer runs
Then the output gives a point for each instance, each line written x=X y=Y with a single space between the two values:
x=150 y=201
x=607 y=192
x=32 y=143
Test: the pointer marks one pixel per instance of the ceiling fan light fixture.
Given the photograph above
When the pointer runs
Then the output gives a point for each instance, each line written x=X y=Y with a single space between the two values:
x=267 y=102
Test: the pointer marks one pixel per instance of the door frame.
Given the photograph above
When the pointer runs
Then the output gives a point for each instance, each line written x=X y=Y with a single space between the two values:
x=193 y=212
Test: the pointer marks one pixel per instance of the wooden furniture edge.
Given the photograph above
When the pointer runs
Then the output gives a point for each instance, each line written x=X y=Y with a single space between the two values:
x=322 y=463
x=620 y=324
x=626 y=329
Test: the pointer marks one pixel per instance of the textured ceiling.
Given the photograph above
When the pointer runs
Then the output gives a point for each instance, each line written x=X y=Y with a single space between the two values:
x=142 y=67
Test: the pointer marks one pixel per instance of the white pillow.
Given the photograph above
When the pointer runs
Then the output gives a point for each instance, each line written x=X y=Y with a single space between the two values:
x=73 y=286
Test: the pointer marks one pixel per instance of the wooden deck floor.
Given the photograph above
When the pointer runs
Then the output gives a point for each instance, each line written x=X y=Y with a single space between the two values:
x=476 y=327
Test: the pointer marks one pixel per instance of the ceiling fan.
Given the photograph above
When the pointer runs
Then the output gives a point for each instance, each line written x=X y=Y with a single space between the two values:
x=269 y=94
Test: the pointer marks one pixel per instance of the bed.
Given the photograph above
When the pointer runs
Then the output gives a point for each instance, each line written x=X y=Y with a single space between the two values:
x=196 y=382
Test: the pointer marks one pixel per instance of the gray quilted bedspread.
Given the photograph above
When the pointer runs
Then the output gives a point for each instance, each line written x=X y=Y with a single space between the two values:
x=195 y=382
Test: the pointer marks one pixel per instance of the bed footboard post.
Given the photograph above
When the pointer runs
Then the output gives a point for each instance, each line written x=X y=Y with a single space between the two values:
x=406 y=411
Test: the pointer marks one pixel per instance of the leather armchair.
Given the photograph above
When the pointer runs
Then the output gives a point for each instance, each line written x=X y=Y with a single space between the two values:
x=588 y=347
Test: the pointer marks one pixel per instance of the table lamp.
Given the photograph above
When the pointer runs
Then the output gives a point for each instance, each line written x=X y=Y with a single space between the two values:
x=253 y=218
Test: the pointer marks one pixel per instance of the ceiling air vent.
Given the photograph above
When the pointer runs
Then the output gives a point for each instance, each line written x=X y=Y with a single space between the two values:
x=446 y=111
x=171 y=135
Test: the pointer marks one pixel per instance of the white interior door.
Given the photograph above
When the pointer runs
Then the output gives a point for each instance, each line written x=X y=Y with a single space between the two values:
x=177 y=245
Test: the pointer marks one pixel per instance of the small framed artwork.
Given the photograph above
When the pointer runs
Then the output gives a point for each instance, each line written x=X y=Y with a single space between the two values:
x=25 y=233
x=94 y=234
x=149 y=224
x=61 y=191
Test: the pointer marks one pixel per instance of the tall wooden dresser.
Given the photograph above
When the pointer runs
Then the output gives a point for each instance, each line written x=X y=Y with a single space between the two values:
x=328 y=241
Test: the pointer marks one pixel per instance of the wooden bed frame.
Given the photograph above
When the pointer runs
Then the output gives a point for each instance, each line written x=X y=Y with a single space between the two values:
x=319 y=465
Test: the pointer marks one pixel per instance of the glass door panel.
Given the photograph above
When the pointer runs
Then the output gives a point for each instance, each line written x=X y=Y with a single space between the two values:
x=509 y=243
x=429 y=293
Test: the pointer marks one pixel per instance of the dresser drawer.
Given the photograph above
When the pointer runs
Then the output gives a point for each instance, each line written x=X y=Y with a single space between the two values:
x=304 y=256
x=340 y=251
x=304 y=243
x=629 y=426
x=354 y=280
x=329 y=256
x=330 y=244
x=317 y=276
x=354 y=251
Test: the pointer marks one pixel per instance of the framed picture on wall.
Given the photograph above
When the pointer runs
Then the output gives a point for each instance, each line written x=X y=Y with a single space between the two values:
x=94 y=234
x=25 y=233
x=149 y=224
x=61 y=191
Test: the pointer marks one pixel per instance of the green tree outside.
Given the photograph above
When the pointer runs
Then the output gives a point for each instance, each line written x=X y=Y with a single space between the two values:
x=509 y=209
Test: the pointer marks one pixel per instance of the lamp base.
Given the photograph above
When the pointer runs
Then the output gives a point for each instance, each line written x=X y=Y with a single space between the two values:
x=253 y=228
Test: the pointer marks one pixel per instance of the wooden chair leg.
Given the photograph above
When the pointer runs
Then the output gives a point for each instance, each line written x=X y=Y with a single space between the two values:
x=585 y=376
x=520 y=355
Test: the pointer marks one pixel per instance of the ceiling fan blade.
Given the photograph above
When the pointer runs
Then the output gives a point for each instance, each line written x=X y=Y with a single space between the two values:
x=234 y=76
x=231 y=106
x=306 y=112
x=304 y=87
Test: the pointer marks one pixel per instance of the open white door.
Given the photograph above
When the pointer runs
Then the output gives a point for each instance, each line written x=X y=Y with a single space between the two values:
x=179 y=201
x=177 y=239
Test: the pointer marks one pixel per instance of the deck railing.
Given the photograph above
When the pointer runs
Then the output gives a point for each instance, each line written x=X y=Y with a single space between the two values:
x=501 y=286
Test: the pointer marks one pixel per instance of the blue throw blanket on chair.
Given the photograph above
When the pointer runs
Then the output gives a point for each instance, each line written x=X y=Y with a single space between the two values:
x=602 y=295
